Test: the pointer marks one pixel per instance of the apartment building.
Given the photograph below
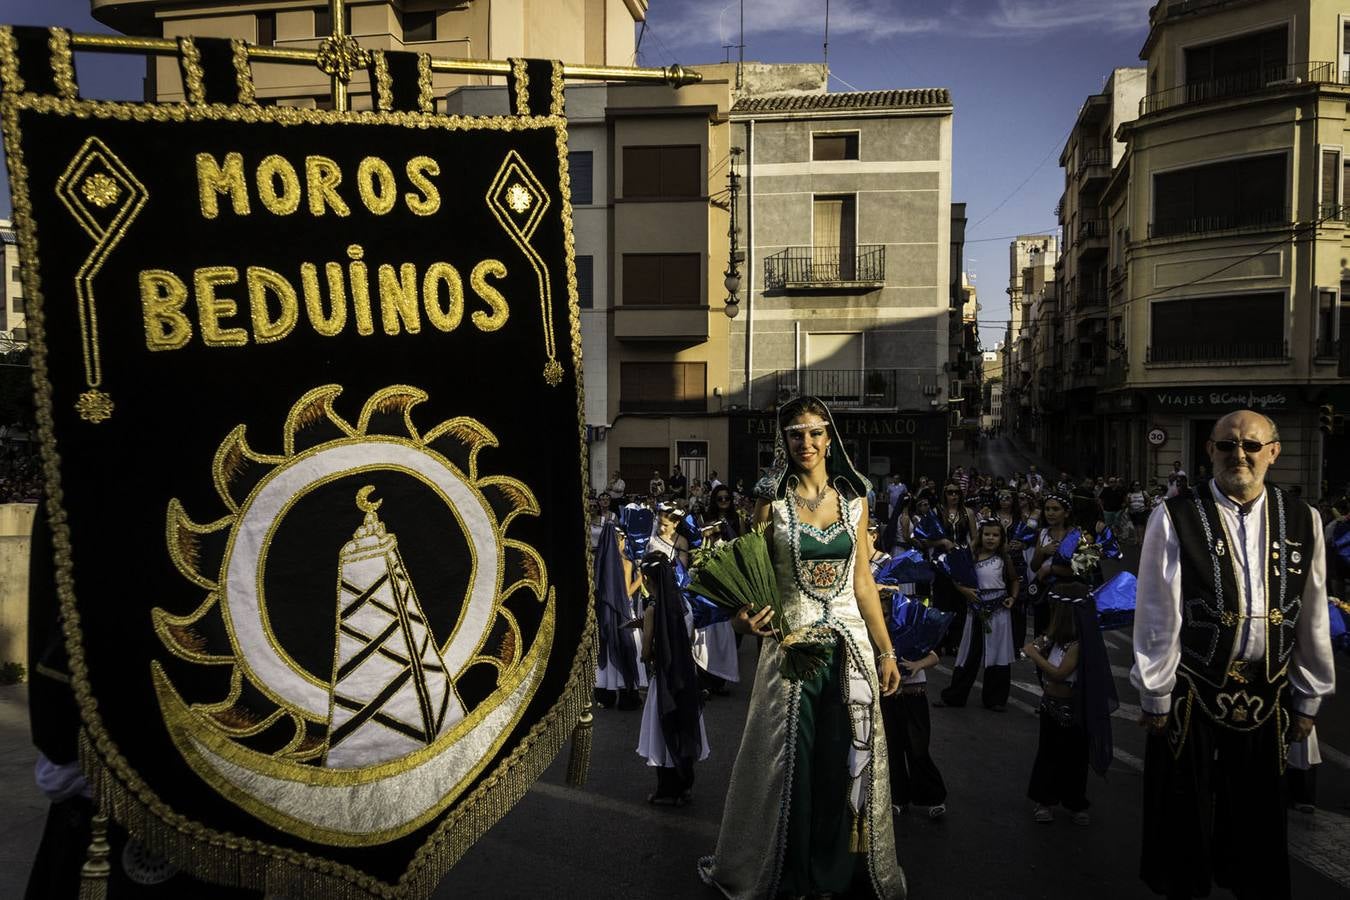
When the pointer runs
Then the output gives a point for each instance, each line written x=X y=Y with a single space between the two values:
x=845 y=202
x=13 y=329
x=1031 y=265
x=595 y=32
x=1228 y=222
x=1084 y=270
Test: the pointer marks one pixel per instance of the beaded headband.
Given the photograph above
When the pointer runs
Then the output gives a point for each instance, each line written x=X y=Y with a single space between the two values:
x=1062 y=499
x=820 y=423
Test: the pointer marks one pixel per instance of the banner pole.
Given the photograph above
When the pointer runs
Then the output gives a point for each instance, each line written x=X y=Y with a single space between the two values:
x=673 y=76
x=337 y=11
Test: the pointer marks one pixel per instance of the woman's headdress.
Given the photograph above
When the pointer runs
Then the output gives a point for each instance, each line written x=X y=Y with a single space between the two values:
x=842 y=476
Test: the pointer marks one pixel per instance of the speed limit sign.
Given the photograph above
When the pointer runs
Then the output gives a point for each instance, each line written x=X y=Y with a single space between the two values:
x=1157 y=437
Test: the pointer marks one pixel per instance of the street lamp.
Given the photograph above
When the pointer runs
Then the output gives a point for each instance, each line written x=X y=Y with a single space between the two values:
x=732 y=283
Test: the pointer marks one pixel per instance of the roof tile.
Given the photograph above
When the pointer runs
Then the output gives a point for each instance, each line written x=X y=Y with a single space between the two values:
x=896 y=99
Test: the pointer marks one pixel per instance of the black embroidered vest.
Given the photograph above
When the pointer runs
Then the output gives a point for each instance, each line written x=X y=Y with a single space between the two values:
x=1237 y=694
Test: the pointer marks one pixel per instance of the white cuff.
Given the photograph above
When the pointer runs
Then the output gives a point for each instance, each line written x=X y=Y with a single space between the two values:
x=1156 y=705
x=1307 y=706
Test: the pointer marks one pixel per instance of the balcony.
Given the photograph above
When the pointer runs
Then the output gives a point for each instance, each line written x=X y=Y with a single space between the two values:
x=1093 y=237
x=1241 y=220
x=843 y=388
x=1094 y=167
x=1059 y=210
x=1332 y=212
x=1242 y=84
x=1202 y=353
x=661 y=324
x=850 y=269
x=1089 y=296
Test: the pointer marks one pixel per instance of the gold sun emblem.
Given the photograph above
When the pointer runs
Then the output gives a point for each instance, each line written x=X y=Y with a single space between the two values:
x=100 y=190
x=519 y=198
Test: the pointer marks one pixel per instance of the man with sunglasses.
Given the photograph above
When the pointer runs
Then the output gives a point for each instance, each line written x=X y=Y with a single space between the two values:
x=1232 y=660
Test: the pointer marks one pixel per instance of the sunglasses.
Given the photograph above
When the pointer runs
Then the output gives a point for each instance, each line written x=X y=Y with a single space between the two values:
x=1249 y=447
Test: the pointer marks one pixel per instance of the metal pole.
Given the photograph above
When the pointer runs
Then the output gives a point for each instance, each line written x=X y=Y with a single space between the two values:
x=337 y=11
x=675 y=76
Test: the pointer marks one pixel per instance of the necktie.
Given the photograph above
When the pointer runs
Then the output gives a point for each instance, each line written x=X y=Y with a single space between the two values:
x=1242 y=511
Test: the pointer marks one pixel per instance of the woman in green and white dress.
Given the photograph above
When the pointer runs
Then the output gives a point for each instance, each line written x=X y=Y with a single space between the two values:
x=808 y=811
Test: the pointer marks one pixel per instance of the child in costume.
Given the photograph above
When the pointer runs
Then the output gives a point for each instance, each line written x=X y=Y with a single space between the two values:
x=986 y=636
x=1075 y=713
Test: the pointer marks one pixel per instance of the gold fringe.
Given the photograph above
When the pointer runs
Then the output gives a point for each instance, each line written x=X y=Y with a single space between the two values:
x=579 y=763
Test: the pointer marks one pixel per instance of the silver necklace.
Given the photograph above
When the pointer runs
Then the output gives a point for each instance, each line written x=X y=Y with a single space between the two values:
x=811 y=505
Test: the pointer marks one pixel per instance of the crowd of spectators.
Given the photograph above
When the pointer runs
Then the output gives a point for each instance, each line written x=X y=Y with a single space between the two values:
x=20 y=473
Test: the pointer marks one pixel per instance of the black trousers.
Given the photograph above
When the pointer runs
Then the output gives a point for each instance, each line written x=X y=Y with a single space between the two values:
x=671 y=784
x=948 y=599
x=997 y=679
x=914 y=776
x=1216 y=813
x=1059 y=774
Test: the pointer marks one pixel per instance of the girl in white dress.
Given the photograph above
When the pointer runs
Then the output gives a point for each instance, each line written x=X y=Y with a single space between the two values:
x=986 y=637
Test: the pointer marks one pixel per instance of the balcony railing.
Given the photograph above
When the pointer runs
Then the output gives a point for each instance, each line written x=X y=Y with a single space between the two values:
x=1093 y=228
x=846 y=388
x=1331 y=212
x=1218 y=354
x=1090 y=295
x=823 y=267
x=1097 y=156
x=1231 y=221
x=1239 y=85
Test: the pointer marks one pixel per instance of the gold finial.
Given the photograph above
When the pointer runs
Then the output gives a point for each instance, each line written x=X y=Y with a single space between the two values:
x=363 y=501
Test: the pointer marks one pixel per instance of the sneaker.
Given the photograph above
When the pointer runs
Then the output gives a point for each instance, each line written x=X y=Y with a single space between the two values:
x=1043 y=815
x=937 y=812
x=1081 y=817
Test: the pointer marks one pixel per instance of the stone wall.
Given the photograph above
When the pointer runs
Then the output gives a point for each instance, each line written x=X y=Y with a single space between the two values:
x=16 y=528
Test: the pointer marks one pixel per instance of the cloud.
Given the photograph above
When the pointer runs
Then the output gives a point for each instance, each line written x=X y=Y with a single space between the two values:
x=684 y=23
x=703 y=21
x=1039 y=16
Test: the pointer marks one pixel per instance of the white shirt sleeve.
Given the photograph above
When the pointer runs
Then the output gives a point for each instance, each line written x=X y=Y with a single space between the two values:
x=1312 y=672
x=1157 y=616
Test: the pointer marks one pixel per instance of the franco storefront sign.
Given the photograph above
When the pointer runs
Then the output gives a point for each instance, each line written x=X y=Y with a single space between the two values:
x=327 y=601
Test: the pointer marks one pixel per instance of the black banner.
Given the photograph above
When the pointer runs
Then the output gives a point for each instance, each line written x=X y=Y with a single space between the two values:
x=309 y=401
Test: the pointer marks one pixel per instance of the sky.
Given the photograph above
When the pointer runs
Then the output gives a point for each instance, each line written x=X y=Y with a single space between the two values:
x=1018 y=71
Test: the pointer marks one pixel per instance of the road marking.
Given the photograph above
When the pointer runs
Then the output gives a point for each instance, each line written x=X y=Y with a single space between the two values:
x=642 y=811
x=1321 y=841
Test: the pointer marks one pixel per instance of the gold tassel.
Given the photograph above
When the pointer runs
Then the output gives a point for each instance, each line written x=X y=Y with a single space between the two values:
x=579 y=763
x=96 y=869
x=860 y=835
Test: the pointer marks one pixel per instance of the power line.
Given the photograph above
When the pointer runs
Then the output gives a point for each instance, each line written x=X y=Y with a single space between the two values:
x=1058 y=144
